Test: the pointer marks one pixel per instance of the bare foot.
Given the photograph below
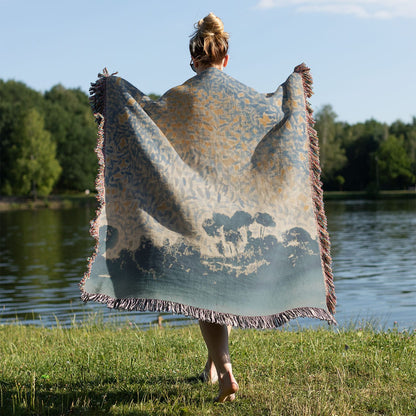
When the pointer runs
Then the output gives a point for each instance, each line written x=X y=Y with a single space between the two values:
x=209 y=375
x=228 y=388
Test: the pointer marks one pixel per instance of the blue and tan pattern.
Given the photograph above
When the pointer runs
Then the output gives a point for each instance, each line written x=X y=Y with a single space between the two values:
x=211 y=203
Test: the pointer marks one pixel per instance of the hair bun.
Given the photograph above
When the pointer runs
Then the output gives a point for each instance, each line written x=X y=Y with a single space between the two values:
x=211 y=25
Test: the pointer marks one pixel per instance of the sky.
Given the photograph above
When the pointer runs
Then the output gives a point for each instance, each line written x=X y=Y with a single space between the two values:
x=362 y=53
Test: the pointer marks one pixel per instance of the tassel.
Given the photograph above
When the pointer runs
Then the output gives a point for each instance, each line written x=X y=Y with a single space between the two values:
x=317 y=193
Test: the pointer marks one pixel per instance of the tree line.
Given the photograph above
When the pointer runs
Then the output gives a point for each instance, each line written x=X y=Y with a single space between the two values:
x=47 y=140
x=369 y=156
x=47 y=143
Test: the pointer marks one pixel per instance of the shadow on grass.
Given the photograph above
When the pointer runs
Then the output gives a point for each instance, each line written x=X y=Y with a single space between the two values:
x=99 y=396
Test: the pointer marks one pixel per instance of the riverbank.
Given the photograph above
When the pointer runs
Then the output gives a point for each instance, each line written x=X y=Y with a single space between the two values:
x=344 y=195
x=64 y=201
x=104 y=369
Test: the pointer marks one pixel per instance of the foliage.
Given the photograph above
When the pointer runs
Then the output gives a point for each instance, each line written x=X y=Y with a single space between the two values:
x=72 y=125
x=15 y=100
x=394 y=163
x=105 y=369
x=71 y=132
x=365 y=156
x=35 y=169
x=153 y=96
x=332 y=154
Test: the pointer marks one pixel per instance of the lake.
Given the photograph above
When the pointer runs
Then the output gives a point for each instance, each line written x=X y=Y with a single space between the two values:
x=43 y=258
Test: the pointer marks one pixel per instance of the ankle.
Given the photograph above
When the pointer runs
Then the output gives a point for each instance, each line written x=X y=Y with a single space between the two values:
x=226 y=371
x=227 y=377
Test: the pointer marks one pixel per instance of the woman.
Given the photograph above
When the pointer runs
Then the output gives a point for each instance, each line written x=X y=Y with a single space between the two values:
x=209 y=48
x=211 y=203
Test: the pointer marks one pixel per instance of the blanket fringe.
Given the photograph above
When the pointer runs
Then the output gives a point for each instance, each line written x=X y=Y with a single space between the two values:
x=97 y=103
x=258 y=322
x=317 y=192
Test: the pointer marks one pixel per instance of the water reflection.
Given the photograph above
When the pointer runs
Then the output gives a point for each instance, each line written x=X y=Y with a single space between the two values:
x=43 y=257
x=375 y=260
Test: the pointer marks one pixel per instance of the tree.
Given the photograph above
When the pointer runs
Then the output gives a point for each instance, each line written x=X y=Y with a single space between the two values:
x=71 y=123
x=332 y=154
x=361 y=142
x=408 y=133
x=8 y=118
x=394 y=164
x=153 y=96
x=35 y=168
x=15 y=99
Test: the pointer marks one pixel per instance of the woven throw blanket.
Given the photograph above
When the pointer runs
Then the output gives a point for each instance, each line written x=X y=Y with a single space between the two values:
x=211 y=203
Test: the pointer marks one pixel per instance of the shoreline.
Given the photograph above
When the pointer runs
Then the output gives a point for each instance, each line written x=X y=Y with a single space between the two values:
x=67 y=201
x=364 y=195
x=61 y=201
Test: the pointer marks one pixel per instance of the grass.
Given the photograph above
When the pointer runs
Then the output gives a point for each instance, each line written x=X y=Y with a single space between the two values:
x=104 y=369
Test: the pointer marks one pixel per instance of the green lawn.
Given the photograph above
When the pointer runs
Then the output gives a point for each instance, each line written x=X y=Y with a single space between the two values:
x=108 y=369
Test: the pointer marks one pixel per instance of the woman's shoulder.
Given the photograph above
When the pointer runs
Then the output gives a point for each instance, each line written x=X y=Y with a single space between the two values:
x=213 y=81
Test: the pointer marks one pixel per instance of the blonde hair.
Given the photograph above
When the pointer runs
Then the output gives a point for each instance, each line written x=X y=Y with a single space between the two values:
x=209 y=42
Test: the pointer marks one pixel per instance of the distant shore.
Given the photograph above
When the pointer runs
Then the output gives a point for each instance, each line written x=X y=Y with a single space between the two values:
x=342 y=195
x=62 y=201
x=66 y=201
